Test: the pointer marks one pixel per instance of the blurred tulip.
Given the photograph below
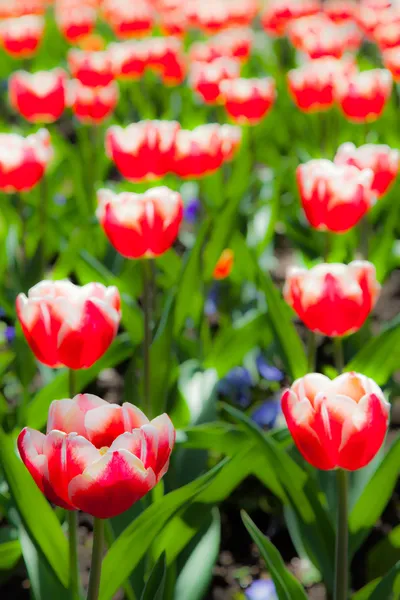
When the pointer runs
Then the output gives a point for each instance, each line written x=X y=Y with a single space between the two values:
x=198 y=152
x=20 y=37
x=224 y=264
x=128 y=19
x=93 y=42
x=129 y=59
x=381 y=159
x=278 y=15
x=19 y=8
x=93 y=69
x=23 y=161
x=209 y=17
x=248 y=100
x=333 y=299
x=362 y=96
x=230 y=137
x=391 y=60
x=369 y=18
x=75 y=20
x=140 y=225
x=386 y=33
x=97 y=457
x=143 y=150
x=166 y=58
x=233 y=43
x=38 y=97
x=340 y=11
x=173 y=22
x=334 y=197
x=67 y=325
x=317 y=36
x=312 y=84
x=92 y=104
x=205 y=78
x=336 y=423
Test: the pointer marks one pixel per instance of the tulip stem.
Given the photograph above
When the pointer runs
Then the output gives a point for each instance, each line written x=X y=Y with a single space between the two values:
x=311 y=351
x=341 y=558
x=73 y=554
x=43 y=225
x=338 y=352
x=147 y=313
x=97 y=559
x=72 y=383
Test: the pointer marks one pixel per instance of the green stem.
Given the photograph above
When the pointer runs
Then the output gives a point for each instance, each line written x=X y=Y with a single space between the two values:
x=97 y=559
x=21 y=213
x=72 y=383
x=365 y=232
x=338 y=352
x=147 y=313
x=73 y=554
x=341 y=588
x=43 y=225
x=311 y=351
x=110 y=539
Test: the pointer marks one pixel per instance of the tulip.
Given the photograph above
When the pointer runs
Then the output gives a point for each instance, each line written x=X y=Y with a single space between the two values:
x=140 y=225
x=334 y=197
x=209 y=17
x=233 y=43
x=391 y=60
x=333 y=299
x=230 y=137
x=97 y=457
x=75 y=19
x=20 y=37
x=386 y=34
x=38 y=97
x=205 y=78
x=128 y=19
x=143 y=150
x=317 y=36
x=93 y=69
x=173 y=22
x=224 y=265
x=248 y=100
x=67 y=325
x=382 y=160
x=200 y=151
x=165 y=57
x=23 y=161
x=336 y=423
x=92 y=104
x=340 y=11
x=312 y=84
x=278 y=15
x=362 y=97
x=129 y=59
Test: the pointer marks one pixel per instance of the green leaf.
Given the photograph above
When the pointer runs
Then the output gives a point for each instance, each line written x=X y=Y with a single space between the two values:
x=286 y=585
x=132 y=544
x=290 y=345
x=10 y=553
x=233 y=342
x=154 y=589
x=120 y=350
x=384 y=588
x=34 y=510
x=377 y=492
x=195 y=575
x=386 y=344
x=384 y=554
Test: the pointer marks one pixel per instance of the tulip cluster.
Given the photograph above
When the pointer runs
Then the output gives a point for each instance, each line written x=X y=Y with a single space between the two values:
x=233 y=43
x=151 y=149
x=279 y=15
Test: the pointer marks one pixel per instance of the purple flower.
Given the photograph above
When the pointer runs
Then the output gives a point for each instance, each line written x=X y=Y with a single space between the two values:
x=236 y=385
x=267 y=414
x=262 y=589
x=59 y=199
x=9 y=333
x=211 y=306
x=192 y=210
x=268 y=371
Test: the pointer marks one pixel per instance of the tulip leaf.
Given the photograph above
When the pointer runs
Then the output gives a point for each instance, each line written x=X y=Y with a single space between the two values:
x=234 y=342
x=365 y=512
x=196 y=573
x=10 y=554
x=387 y=587
x=384 y=554
x=154 y=588
x=386 y=344
x=45 y=532
x=133 y=543
x=286 y=585
x=120 y=350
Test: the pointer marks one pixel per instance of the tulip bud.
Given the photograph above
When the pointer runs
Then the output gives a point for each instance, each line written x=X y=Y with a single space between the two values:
x=334 y=197
x=224 y=265
x=333 y=299
x=97 y=457
x=339 y=423
x=67 y=325
x=141 y=225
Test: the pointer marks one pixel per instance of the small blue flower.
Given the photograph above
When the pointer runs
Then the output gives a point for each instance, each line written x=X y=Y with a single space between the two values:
x=262 y=589
x=267 y=414
x=211 y=306
x=268 y=371
x=236 y=385
x=9 y=333
x=192 y=210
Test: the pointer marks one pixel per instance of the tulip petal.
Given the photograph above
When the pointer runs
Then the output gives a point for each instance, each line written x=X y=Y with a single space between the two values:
x=69 y=415
x=166 y=441
x=133 y=416
x=30 y=445
x=111 y=485
x=104 y=424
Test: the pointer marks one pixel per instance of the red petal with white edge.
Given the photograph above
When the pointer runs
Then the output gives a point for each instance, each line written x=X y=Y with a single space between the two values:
x=133 y=442
x=166 y=441
x=110 y=486
x=307 y=431
x=30 y=446
x=363 y=435
x=150 y=448
x=133 y=416
x=104 y=424
x=39 y=330
x=69 y=415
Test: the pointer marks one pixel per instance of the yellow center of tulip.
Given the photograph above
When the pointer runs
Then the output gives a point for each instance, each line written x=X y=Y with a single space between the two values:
x=103 y=450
